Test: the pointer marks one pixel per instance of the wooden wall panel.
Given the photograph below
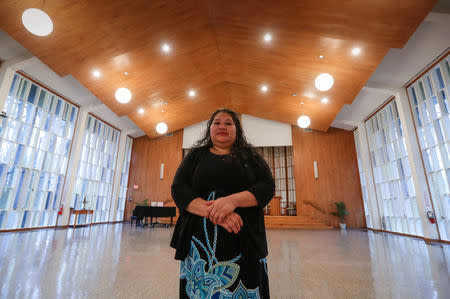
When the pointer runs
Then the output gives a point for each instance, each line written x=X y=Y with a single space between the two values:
x=338 y=180
x=146 y=159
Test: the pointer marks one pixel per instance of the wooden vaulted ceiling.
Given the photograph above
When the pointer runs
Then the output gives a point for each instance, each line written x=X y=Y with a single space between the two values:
x=218 y=50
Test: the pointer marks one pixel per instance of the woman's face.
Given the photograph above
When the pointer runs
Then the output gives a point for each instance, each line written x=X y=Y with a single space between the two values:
x=223 y=130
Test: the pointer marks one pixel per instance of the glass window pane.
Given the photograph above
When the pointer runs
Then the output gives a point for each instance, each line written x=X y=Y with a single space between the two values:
x=32 y=94
x=390 y=163
x=33 y=153
x=434 y=138
x=92 y=169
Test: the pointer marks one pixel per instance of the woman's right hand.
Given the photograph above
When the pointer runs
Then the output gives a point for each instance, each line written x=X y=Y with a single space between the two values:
x=199 y=206
x=232 y=223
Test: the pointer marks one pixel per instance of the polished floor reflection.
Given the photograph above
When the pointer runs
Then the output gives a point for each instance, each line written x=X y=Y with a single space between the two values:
x=117 y=261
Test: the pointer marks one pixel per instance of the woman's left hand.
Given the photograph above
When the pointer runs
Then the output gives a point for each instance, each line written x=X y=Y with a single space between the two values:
x=221 y=208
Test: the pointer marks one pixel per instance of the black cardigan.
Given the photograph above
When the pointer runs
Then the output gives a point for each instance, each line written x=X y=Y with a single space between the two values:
x=252 y=237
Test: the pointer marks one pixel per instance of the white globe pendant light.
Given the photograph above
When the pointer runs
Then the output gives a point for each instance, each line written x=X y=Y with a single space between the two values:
x=324 y=82
x=37 y=22
x=161 y=128
x=303 y=121
x=123 y=95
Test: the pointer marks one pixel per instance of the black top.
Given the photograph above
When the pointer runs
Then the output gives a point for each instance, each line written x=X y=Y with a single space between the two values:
x=201 y=172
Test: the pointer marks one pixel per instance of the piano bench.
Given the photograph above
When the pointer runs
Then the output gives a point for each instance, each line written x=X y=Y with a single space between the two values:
x=135 y=219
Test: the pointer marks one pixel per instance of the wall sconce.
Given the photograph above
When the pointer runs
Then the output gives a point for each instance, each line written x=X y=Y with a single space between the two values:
x=316 y=171
x=161 y=173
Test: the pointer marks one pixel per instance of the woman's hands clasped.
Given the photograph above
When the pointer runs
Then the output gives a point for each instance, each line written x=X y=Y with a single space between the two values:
x=221 y=208
x=221 y=212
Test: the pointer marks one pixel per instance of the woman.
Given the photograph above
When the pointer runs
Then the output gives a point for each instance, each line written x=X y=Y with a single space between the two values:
x=220 y=189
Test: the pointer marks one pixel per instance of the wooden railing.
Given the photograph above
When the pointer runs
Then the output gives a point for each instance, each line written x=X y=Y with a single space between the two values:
x=312 y=204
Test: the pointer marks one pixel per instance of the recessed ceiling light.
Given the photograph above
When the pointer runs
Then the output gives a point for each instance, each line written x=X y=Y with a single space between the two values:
x=321 y=57
x=267 y=37
x=325 y=100
x=324 y=82
x=141 y=110
x=37 y=22
x=264 y=88
x=294 y=94
x=192 y=93
x=303 y=121
x=302 y=103
x=96 y=73
x=166 y=48
x=161 y=128
x=123 y=95
x=356 y=51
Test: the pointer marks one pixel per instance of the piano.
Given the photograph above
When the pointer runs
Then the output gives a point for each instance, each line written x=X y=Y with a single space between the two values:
x=145 y=211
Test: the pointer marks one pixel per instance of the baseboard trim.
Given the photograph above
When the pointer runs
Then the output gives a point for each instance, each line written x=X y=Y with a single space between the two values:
x=427 y=240
x=55 y=227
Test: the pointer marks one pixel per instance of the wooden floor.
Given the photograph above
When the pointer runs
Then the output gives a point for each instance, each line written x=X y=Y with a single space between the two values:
x=120 y=261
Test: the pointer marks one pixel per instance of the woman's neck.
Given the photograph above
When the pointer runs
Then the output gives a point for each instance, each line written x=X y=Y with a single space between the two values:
x=220 y=150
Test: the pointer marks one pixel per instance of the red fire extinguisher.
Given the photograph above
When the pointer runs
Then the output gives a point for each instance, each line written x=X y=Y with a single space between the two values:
x=60 y=211
x=431 y=217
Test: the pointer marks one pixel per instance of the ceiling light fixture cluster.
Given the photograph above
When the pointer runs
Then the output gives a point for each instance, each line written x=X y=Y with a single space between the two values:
x=39 y=23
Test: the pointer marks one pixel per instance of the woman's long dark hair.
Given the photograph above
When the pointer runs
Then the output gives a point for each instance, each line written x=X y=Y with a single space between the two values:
x=240 y=149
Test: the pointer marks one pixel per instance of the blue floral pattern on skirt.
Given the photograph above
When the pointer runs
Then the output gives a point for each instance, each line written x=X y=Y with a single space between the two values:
x=203 y=284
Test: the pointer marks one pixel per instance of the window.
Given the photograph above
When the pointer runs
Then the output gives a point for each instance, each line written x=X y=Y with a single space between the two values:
x=429 y=100
x=124 y=180
x=35 y=141
x=396 y=194
x=280 y=161
x=95 y=175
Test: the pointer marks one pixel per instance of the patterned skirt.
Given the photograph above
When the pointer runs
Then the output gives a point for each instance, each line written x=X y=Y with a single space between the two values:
x=214 y=267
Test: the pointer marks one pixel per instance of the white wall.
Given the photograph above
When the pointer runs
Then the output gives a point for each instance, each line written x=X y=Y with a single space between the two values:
x=193 y=133
x=258 y=131
x=262 y=132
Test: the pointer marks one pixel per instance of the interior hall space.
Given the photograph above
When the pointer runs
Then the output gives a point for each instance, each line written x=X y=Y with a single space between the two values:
x=347 y=103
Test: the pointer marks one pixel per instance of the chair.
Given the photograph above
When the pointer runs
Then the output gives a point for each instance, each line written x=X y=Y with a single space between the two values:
x=133 y=216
